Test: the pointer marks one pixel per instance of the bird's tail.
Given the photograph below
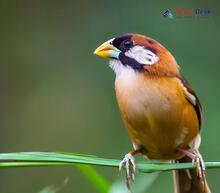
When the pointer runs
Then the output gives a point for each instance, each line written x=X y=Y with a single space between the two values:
x=188 y=181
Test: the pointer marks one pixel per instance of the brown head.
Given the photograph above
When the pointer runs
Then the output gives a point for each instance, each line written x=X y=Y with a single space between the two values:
x=139 y=53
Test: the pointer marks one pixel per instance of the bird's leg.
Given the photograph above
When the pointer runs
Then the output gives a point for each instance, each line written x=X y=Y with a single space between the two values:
x=196 y=159
x=129 y=164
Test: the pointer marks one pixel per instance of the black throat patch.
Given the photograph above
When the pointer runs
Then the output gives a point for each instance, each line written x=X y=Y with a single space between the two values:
x=127 y=61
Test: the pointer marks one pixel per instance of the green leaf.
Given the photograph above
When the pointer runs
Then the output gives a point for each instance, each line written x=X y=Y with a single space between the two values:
x=96 y=179
x=49 y=189
x=24 y=159
x=53 y=188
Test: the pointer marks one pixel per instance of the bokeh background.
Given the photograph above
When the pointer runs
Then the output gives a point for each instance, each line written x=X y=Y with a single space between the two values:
x=55 y=95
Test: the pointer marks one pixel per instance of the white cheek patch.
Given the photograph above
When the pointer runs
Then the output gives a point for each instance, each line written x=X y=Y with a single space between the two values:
x=142 y=55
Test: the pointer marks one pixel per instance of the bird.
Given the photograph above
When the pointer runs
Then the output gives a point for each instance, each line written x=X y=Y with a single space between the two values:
x=160 y=110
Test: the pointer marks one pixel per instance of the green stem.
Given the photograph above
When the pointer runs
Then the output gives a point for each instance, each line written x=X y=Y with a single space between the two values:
x=27 y=159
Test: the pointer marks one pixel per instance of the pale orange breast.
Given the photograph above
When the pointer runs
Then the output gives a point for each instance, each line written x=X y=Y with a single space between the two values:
x=156 y=113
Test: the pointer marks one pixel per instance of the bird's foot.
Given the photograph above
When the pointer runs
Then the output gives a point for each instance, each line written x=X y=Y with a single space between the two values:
x=129 y=164
x=200 y=165
x=196 y=160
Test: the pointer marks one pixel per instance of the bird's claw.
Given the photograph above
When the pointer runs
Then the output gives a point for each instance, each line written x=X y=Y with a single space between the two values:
x=198 y=160
x=129 y=164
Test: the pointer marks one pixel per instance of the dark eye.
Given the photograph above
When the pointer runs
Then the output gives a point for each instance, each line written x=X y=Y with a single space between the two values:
x=126 y=44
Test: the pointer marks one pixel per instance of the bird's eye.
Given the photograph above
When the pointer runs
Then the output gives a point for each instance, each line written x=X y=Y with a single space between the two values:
x=126 y=44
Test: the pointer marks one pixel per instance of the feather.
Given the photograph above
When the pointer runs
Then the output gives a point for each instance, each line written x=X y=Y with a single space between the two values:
x=192 y=98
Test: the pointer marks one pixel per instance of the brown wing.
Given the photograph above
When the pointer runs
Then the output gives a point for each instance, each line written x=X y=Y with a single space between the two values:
x=192 y=98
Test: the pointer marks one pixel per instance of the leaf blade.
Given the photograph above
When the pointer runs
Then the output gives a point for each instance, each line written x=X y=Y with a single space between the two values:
x=56 y=158
x=96 y=179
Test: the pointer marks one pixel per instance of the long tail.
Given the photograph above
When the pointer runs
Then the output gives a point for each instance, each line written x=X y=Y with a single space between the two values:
x=188 y=181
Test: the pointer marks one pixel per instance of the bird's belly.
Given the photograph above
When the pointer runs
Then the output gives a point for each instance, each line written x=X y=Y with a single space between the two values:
x=157 y=119
x=159 y=132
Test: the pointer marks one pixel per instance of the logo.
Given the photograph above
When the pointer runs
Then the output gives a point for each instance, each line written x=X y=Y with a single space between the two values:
x=168 y=14
x=193 y=11
x=187 y=13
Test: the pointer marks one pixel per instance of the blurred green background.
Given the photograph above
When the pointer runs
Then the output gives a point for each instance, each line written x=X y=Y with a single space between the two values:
x=55 y=95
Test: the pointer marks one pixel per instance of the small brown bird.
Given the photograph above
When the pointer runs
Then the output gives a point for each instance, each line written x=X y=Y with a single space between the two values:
x=159 y=108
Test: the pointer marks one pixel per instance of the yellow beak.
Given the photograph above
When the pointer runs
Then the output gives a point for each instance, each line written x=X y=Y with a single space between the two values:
x=107 y=50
